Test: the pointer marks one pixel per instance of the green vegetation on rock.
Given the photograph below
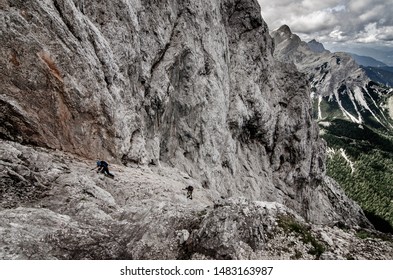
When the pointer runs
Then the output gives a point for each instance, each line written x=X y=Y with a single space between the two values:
x=289 y=224
x=371 y=181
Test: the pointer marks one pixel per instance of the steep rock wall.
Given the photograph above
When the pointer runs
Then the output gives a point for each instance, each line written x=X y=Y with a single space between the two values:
x=191 y=84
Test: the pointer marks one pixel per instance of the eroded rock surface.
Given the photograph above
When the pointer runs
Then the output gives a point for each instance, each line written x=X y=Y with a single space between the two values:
x=189 y=84
x=187 y=90
x=69 y=211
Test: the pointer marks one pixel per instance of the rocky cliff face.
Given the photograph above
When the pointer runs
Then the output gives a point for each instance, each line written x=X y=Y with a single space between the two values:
x=186 y=86
x=187 y=83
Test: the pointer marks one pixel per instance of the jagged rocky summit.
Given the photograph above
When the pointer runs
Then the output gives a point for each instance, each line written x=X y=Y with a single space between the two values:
x=171 y=93
x=316 y=46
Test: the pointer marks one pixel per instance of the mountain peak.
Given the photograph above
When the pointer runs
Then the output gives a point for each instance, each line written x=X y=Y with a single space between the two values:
x=316 y=46
x=284 y=34
x=284 y=29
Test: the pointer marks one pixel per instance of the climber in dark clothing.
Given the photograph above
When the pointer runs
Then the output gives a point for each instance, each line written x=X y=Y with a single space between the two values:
x=189 y=190
x=103 y=168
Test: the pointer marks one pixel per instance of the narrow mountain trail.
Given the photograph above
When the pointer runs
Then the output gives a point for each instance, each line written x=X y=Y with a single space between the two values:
x=54 y=206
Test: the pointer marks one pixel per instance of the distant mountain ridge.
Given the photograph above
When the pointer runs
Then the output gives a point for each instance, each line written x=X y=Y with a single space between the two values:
x=376 y=70
x=341 y=88
x=381 y=54
x=382 y=75
x=366 y=60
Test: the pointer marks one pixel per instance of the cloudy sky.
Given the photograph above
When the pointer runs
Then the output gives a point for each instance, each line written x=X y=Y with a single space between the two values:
x=335 y=23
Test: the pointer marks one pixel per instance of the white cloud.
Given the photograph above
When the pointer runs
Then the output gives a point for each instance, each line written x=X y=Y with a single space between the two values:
x=387 y=34
x=369 y=35
x=337 y=35
x=372 y=34
x=331 y=21
x=316 y=21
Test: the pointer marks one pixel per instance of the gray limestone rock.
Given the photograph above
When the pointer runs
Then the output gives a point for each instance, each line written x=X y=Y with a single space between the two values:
x=188 y=91
x=188 y=84
x=70 y=212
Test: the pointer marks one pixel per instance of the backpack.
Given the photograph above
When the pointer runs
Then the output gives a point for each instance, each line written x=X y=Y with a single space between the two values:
x=104 y=164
